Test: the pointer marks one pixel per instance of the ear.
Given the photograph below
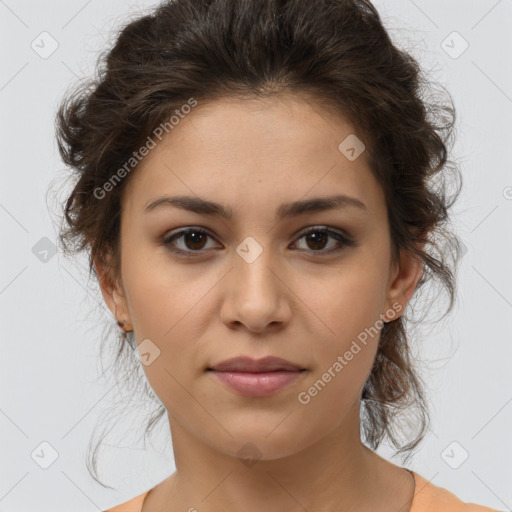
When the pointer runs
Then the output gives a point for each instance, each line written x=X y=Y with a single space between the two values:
x=404 y=278
x=113 y=293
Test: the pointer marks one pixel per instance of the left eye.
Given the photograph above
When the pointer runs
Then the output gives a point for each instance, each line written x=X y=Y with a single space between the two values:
x=318 y=237
x=194 y=240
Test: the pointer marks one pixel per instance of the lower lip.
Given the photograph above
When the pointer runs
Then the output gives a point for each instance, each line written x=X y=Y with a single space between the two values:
x=258 y=384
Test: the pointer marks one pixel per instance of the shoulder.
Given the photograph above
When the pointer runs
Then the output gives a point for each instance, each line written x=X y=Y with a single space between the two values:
x=427 y=498
x=133 y=505
x=431 y=498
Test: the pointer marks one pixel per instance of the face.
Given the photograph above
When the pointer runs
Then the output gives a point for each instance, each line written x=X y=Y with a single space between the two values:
x=310 y=287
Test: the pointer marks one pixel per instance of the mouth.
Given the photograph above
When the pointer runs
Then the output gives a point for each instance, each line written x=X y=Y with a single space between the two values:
x=258 y=384
x=256 y=378
x=248 y=365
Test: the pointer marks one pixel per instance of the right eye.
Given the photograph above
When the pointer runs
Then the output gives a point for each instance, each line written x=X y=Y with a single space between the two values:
x=192 y=241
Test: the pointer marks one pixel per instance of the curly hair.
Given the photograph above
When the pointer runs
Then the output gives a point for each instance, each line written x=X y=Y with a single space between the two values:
x=337 y=52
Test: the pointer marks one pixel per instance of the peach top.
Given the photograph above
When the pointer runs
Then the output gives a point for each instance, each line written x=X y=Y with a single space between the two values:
x=427 y=498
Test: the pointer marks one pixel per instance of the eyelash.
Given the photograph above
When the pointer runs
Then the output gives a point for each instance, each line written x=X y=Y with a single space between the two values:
x=342 y=239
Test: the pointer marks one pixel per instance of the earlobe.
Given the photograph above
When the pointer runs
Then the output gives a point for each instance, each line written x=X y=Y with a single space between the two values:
x=113 y=296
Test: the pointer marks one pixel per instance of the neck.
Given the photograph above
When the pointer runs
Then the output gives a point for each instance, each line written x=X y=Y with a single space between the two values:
x=337 y=472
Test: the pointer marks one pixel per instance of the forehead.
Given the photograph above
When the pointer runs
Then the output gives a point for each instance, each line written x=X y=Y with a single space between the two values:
x=252 y=151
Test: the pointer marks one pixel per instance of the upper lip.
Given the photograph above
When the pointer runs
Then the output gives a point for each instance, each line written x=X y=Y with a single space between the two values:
x=248 y=364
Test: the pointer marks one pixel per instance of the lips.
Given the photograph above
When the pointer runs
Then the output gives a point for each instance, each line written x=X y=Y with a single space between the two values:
x=248 y=365
x=257 y=377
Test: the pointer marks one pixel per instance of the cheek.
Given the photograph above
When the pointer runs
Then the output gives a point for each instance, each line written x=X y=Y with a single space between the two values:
x=174 y=309
x=160 y=293
x=171 y=309
x=344 y=355
x=348 y=301
x=347 y=307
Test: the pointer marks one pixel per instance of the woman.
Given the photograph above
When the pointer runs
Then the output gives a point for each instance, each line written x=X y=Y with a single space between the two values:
x=258 y=191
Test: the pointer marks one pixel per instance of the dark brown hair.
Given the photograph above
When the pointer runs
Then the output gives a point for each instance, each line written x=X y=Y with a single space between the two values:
x=334 y=51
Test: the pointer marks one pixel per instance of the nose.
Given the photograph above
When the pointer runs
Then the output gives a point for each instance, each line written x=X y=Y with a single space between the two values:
x=256 y=295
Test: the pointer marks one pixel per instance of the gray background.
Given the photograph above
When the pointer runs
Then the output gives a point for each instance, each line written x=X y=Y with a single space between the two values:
x=52 y=316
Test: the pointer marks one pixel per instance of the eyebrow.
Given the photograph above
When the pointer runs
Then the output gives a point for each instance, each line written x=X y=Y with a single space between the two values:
x=295 y=208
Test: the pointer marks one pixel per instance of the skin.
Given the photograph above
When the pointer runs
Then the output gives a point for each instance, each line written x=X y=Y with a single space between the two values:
x=292 y=302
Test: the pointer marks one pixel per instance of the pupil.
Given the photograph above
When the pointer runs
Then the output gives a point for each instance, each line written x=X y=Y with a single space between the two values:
x=192 y=240
x=317 y=239
x=193 y=235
